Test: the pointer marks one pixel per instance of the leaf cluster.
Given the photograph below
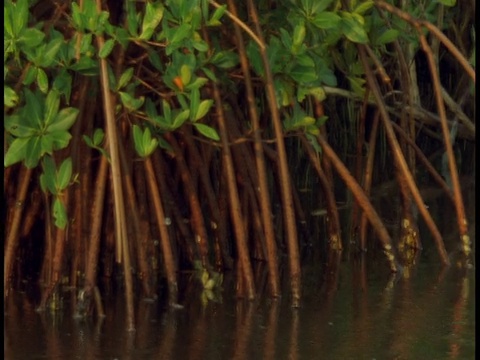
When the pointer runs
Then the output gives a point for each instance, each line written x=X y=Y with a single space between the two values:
x=170 y=67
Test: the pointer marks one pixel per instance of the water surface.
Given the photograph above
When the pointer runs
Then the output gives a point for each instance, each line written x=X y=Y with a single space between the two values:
x=352 y=308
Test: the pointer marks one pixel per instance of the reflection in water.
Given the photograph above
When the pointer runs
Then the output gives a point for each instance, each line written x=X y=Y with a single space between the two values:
x=351 y=309
x=243 y=329
x=358 y=313
x=271 y=330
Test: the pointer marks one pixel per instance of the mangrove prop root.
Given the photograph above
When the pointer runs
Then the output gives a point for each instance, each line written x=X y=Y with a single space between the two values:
x=364 y=203
x=96 y=217
x=186 y=238
x=135 y=221
x=285 y=183
x=367 y=178
x=233 y=196
x=222 y=258
x=457 y=193
x=57 y=265
x=265 y=205
x=234 y=202
x=198 y=223
x=119 y=205
x=13 y=231
x=170 y=267
x=400 y=159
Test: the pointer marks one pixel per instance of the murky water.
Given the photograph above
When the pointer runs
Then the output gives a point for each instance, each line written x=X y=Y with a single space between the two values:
x=353 y=311
x=352 y=308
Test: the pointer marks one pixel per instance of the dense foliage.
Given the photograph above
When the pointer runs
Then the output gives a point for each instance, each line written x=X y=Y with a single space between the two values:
x=202 y=113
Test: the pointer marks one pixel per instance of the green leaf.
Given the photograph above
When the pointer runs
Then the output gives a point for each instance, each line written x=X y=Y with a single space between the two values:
x=209 y=286
x=125 y=78
x=320 y=5
x=155 y=60
x=130 y=102
x=205 y=7
x=207 y=131
x=200 y=45
x=167 y=113
x=42 y=80
x=322 y=120
x=63 y=84
x=43 y=184
x=286 y=41
x=132 y=19
x=185 y=74
x=88 y=141
x=16 y=151
x=8 y=11
x=305 y=60
x=298 y=34
x=448 y=2
x=363 y=7
x=20 y=16
x=197 y=83
x=86 y=43
x=52 y=103
x=303 y=74
x=106 y=48
x=210 y=74
x=33 y=152
x=180 y=33
x=149 y=144
x=180 y=119
x=93 y=20
x=31 y=37
x=194 y=103
x=284 y=91
x=15 y=125
x=357 y=85
x=98 y=136
x=218 y=13
x=387 y=37
x=326 y=20
x=313 y=140
x=353 y=29
x=312 y=129
x=51 y=50
x=112 y=80
x=46 y=145
x=34 y=108
x=146 y=137
x=48 y=175
x=86 y=66
x=138 y=140
x=150 y=109
x=224 y=59
x=59 y=139
x=59 y=214
x=164 y=144
x=153 y=16
x=30 y=75
x=318 y=93
x=64 y=120
x=64 y=174
x=77 y=17
x=122 y=36
x=10 y=97
x=305 y=121
x=302 y=92
x=203 y=108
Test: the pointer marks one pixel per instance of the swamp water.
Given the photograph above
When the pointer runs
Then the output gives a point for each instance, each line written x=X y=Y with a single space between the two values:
x=352 y=308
